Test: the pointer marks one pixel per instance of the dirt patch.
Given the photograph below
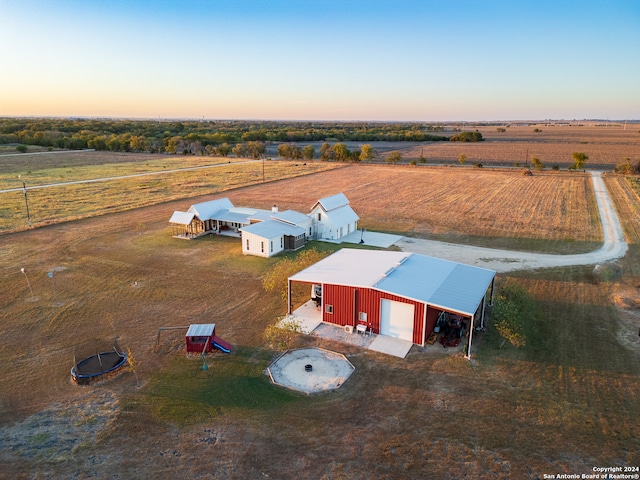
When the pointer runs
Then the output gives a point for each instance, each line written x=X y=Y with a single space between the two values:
x=627 y=302
x=60 y=431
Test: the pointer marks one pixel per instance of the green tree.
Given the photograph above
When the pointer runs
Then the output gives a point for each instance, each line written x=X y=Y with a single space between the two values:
x=394 y=157
x=256 y=148
x=240 y=150
x=22 y=148
x=326 y=153
x=289 y=151
x=308 y=152
x=367 y=152
x=579 y=160
x=462 y=159
x=224 y=149
x=467 y=137
x=282 y=334
x=284 y=151
x=537 y=164
x=341 y=152
x=277 y=279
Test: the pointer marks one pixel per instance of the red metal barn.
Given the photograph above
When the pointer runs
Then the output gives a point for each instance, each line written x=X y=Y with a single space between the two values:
x=398 y=294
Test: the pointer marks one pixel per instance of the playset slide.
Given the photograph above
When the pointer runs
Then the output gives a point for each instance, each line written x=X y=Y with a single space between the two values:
x=220 y=344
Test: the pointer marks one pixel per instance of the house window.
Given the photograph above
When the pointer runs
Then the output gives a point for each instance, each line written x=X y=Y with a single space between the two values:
x=362 y=316
x=281 y=242
x=262 y=247
x=328 y=308
x=271 y=245
x=247 y=244
x=319 y=216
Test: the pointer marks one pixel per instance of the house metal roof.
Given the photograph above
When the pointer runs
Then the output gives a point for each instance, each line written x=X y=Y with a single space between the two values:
x=207 y=210
x=290 y=216
x=201 y=330
x=182 y=218
x=441 y=283
x=272 y=229
x=342 y=216
x=334 y=201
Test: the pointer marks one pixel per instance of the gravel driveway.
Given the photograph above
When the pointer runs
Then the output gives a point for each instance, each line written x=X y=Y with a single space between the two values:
x=614 y=246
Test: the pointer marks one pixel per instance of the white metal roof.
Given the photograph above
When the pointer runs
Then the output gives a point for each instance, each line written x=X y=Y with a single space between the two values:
x=182 y=218
x=442 y=283
x=290 y=216
x=201 y=330
x=272 y=228
x=342 y=216
x=334 y=201
x=450 y=285
x=348 y=266
x=207 y=210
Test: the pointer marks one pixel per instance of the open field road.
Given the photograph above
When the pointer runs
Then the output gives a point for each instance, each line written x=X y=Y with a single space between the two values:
x=614 y=246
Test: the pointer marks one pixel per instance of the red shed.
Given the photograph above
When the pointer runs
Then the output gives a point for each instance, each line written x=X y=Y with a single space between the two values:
x=398 y=294
x=199 y=337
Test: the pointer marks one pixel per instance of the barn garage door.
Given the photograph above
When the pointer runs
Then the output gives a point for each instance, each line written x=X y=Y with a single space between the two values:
x=396 y=319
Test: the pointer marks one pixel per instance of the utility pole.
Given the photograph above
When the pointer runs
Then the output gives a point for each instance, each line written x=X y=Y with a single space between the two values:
x=26 y=201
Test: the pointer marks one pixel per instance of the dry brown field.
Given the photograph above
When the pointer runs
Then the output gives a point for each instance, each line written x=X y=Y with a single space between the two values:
x=553 y=145
x=562 y=407
x=488 y=207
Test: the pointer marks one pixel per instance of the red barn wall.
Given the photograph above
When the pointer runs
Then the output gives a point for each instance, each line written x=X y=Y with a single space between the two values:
x=348 y=301
x=193 y=347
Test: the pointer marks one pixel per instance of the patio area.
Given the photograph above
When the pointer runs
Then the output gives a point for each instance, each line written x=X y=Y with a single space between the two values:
x=309 y=318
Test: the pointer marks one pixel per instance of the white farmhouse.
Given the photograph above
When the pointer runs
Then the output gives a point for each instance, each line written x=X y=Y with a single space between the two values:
x=267 y=232
x=286 y=230
x=333 y=217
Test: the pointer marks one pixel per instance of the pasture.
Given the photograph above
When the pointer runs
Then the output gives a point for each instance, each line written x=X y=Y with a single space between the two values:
x=561 y=405
x=552 y=145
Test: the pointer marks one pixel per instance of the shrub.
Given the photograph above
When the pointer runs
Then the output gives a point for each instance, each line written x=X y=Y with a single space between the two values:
x=22 y=148
x=515 y=315
x=467 y=137
x=537 y=164
x=625 y=167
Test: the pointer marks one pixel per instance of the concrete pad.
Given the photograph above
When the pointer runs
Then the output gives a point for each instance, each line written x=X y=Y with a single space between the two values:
x=308 y=317
x=329 y=370
x=391 y=346
x=372 y=239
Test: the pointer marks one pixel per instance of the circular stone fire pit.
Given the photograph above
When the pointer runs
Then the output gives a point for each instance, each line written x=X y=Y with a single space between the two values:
x=310 y=370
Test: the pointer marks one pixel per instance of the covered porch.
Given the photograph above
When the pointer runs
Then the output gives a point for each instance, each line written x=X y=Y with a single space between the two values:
x=309 y=318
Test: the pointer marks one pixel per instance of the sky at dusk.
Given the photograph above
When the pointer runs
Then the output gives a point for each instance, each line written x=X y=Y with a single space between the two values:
x=422 y=60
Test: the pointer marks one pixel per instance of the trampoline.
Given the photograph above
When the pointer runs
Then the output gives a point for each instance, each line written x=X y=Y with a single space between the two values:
x=98 y=367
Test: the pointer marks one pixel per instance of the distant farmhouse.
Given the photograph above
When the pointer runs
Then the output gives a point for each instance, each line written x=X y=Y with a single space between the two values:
x=267 y=232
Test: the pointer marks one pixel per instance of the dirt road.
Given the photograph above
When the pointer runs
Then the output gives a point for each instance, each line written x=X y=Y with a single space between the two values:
x=614 y=246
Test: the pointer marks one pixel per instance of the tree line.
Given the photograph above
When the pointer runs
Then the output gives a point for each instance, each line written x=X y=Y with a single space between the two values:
x=207 y=137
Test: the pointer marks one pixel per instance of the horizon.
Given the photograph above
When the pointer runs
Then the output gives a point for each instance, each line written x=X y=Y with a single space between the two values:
x=322 y=60
x=492 y=122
